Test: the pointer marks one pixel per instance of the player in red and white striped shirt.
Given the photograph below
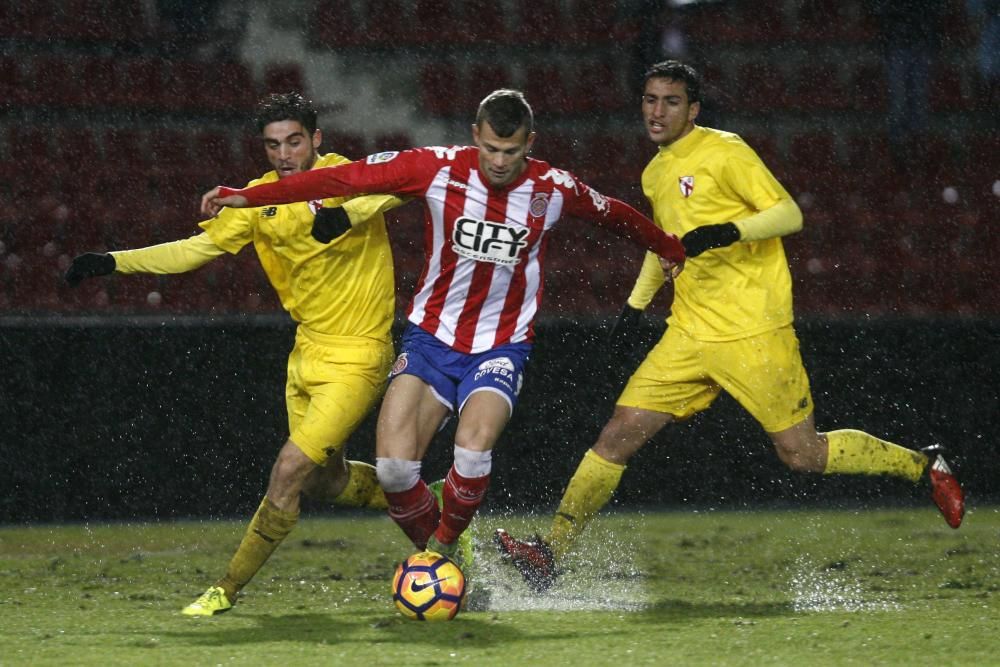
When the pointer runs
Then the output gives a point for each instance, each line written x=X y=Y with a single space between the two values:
x=488 y=211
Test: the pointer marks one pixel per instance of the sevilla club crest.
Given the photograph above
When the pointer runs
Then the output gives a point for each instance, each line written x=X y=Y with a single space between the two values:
x=686 y=184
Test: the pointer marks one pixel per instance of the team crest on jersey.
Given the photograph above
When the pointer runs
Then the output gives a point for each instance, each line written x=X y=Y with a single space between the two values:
x=485 y=241
x=399 y=365
x=378 y=158
x=315 y=206
x=686 y=184
x=539 y=204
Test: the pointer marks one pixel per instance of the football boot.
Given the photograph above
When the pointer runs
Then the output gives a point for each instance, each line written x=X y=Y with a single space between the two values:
x=462 y=551
x=946 y=492
x=212 y=602
x=533 y=559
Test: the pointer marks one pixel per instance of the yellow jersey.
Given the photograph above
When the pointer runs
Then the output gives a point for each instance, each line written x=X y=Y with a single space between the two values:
x=342 y=288
x=710 y=177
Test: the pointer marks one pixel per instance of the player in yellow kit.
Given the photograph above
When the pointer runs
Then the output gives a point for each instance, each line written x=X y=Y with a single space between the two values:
x=331 y=266
x=730 y=327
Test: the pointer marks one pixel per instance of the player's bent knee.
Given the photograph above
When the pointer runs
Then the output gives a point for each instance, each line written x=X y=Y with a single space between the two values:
x=288 y=468
x=289 y=473
x=621 y=438
x=326 y=483
x=316 y=489
x=481 y=440
x=396 y=475
x=790 y=460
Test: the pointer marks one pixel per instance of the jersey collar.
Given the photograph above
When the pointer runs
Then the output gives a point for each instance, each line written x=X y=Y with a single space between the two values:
x=683 y=146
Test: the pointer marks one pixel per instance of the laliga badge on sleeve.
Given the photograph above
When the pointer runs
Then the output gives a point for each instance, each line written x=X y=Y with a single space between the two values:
x=384 y=156
x=686 y=184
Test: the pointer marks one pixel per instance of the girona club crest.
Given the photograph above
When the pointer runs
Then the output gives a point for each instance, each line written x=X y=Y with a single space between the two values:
x=539 y=204
x=398 y=366
x=315 y=206
x=686 y=184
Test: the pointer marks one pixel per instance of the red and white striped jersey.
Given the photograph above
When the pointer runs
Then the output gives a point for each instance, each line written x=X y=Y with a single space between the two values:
x=484 y=247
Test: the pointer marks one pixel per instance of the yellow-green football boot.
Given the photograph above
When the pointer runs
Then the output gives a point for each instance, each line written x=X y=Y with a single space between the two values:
x=212 y=602
x=461 y=552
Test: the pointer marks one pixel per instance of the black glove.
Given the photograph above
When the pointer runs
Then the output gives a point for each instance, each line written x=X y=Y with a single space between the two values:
x=626 y=324
x=89 y=265
x=330 y=223
x=700 y=239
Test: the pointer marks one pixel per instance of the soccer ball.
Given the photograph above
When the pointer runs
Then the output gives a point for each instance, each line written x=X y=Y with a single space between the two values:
x=428 y=587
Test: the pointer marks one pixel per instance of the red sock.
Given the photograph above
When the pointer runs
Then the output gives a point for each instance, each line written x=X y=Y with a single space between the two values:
x=462 y=496
x=416 y=512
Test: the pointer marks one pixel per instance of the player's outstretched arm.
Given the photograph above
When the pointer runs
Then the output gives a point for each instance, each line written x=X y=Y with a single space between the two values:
x=623 y=220
x=338 y=181
x=89 y=265
x=405 y=174
x=164 y=258
x=629 y=223
x=219 y=198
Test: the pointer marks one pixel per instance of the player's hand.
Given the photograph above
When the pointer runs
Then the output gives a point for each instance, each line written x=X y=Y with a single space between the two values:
x=330 y=223
x=213 y=201
x=626 y=324
x=707 y=237
x=671 y=269
x=89 y=265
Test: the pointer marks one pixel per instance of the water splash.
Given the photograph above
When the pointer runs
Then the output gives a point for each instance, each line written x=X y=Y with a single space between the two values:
x=600 y=577
x=818 y=588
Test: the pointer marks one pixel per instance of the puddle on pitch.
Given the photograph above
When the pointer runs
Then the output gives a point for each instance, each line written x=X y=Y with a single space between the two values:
x=603 y=581
x=815 y=588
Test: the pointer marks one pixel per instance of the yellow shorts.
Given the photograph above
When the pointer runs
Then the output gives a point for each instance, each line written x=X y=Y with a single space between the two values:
x=333 y=382
x=682 y=376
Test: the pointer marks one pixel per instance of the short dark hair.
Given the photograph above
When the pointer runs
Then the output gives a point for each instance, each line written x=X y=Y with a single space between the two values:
x=285 y=106
x=677 y=71
x=507 y=111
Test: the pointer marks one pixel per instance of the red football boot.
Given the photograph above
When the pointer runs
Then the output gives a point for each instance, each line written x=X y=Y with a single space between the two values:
x=533 y=559
x=945 y=490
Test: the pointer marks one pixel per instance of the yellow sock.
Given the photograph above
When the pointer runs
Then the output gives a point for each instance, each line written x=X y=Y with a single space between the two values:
x=362 y=488
x=267 y=529
x=857 y=453
x=593 y=483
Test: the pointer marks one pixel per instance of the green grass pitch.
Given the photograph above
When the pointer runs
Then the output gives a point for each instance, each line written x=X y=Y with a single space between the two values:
x=805 y=587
